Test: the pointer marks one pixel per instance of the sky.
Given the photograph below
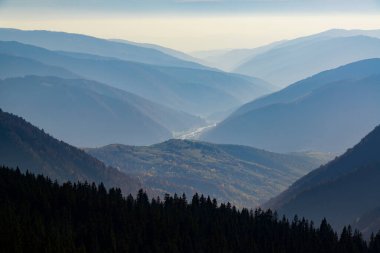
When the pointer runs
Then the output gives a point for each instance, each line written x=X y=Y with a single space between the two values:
x=192 y=25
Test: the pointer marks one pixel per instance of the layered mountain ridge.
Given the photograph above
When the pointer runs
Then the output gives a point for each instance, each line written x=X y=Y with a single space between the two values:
x=329 y=112
x=87 y=113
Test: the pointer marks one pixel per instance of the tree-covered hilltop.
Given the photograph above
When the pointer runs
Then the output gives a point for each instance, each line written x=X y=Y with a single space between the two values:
x=244 y=176
x=345 y=191
x=39 y=215
x=30 y=148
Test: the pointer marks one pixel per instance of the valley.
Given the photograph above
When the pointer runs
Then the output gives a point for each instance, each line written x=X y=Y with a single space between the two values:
x=194 y=134
x=109 y=144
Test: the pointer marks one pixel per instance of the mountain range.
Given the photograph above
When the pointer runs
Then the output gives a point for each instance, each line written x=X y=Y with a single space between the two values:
x=329 y=112
x=285 y=62
x=244 y=176
x=79 y=43
x=200 y=92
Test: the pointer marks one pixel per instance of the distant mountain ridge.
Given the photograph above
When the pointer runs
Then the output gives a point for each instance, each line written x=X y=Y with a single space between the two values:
x=195 y=91
x=13 y=66
x=353 y=71
x=344 y=191
x=241 y=175
x=230 y=59
x=62 y=41
x=87 y=113
x=285 y=62
x=289 y=63
x=327 y=112
x=166 y=50
x=27 y=147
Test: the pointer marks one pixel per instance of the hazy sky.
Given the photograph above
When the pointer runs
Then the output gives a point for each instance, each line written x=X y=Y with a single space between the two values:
x=191 y=25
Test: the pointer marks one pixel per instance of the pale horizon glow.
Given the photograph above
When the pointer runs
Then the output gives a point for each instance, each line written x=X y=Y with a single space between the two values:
x=193 y=33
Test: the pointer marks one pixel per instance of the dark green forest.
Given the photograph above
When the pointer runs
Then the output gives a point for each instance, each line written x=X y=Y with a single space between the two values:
x=40 y=215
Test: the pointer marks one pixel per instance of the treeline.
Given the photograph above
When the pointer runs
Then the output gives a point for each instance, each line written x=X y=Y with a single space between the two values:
x=39 y=215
